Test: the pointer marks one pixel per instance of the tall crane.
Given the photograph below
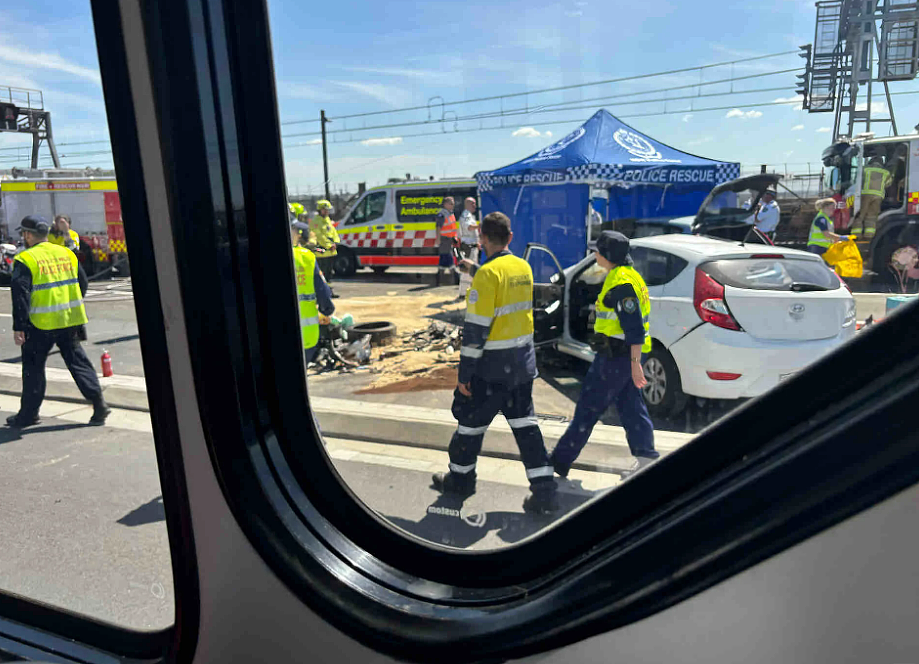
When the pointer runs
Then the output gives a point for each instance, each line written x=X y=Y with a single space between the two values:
x=22 y=111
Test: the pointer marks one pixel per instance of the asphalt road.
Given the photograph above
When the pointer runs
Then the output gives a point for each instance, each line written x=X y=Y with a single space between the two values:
x=84 y=524
x=113 y=327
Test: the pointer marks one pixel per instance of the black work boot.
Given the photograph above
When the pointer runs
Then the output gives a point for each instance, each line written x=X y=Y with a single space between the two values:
x=18 y=421
x=543 y=500
x=100 y=413
x=462 y=485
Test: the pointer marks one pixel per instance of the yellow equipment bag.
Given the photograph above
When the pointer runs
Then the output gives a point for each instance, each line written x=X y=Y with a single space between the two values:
x=845 y=258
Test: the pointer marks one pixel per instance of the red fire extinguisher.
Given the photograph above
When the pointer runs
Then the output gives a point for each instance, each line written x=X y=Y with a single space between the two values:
x=107 y=364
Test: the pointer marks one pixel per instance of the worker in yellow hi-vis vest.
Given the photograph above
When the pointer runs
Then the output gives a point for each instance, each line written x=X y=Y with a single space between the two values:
x=314 y=296
x=47 y=287
x=874 y=185
x=62 y=235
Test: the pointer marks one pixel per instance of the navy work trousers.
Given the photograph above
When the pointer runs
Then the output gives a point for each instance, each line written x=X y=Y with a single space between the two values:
x=608 y=382
x=475 y=413
x=34 y=354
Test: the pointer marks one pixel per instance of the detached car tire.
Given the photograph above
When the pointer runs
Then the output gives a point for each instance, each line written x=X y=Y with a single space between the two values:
x=663 y=394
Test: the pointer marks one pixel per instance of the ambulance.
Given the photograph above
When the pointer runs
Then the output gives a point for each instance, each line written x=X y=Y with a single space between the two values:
x=92 y=203
x=393 y=224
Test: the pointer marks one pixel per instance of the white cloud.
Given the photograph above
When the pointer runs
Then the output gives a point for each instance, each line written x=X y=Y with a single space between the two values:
x=797 y=128
x=789 y=153
x=301 y=91
x=824 y=130
x=390 y=95
x=47 y=61
x=574 y=14
x=393 y=140
x=547 y=134
x=795 y=101
x=526 y=132
x=701 y=141
x=687 y=117
x=749 y=115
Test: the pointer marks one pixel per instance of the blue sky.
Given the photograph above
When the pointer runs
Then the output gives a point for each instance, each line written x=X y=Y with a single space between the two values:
x=360 y=56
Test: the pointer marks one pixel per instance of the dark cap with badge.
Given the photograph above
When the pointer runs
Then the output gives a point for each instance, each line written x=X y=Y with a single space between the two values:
x=614 y=247
x=35 y=223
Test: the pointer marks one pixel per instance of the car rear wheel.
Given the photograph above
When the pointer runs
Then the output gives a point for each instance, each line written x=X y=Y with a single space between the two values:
x=663 y=394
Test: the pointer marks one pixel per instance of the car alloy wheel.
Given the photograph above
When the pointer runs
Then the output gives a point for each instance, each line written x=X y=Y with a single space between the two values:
x=656 y=374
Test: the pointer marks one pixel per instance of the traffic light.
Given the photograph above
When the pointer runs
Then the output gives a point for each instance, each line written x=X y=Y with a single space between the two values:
x=8 y=115
x=803 y=85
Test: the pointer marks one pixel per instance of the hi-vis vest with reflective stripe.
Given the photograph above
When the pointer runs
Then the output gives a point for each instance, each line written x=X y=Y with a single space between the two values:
x=608 y=320
x=326 y=235
x=501 y=296
x=450 y=227
x=305 y=267
x=875 y=181
x=56 y=302
x=817 y=236
x=61 y=241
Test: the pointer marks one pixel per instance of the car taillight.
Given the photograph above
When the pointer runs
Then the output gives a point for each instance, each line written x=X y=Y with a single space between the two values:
x=767 y=256
x=722 y=375
x=708 y=300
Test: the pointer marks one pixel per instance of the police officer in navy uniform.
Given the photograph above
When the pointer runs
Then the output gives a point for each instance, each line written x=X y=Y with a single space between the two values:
x=497 y=369
x=47 y=289
x=621 y=335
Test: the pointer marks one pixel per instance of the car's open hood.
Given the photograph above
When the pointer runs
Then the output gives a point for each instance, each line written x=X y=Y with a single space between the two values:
x=707 y=220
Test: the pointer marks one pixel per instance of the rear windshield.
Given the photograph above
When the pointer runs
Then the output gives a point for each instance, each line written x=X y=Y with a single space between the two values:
x=780 y=274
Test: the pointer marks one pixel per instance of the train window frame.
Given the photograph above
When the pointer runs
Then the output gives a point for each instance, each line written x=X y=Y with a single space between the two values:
x=698 y=516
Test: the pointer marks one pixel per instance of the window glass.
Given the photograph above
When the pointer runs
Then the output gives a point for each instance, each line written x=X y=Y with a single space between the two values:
x=777 y=274
x=359 y=213
x=518 y=115
x=657 y=267
x=83 y=519
x=376 y=205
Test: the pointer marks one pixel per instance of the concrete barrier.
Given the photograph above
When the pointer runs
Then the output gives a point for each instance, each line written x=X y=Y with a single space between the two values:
x=391 y=424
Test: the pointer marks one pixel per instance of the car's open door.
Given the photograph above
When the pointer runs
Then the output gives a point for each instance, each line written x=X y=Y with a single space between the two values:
x=548 y=293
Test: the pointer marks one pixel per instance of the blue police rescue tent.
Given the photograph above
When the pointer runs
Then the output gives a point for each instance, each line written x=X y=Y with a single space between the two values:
x=628 y=175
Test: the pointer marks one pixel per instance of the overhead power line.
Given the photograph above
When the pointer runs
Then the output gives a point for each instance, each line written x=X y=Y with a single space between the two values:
x=560 y=88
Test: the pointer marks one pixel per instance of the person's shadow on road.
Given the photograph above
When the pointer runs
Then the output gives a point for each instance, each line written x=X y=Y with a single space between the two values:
x=12 y=434
x=446 y=522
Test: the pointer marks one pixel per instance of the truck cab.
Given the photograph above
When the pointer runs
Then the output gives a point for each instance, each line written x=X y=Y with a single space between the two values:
x=845 y=164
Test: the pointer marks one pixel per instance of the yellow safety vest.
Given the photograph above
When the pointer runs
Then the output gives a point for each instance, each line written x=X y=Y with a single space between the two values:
x=501 y=296
x=817 y=236
x=608 y=320
x=305 y=266
x=59 y=239
x=326 y=235
x=57 y=302
x=875 y=181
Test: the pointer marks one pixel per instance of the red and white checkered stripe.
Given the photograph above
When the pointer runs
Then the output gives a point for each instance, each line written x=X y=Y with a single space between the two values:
x=391 y=239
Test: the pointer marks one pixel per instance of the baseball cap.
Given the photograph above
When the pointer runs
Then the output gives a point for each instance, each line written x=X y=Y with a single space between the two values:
x=614 y=247
x=35 y=223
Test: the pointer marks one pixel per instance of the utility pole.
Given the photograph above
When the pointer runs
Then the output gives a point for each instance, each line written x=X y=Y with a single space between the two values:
x=325 y=155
